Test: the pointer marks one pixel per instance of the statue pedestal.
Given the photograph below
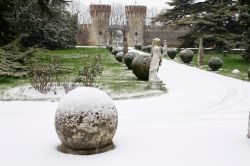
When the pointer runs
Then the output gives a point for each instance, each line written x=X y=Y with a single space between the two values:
x=156 y=85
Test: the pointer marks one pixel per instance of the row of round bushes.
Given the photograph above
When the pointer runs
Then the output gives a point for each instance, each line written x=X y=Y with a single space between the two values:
x=140 y=63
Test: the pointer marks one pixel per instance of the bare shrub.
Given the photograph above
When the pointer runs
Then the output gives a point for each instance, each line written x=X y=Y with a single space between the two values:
x=41 y=78
x=89 y=73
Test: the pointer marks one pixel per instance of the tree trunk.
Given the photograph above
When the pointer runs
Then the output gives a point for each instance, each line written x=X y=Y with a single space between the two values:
x=201 y=53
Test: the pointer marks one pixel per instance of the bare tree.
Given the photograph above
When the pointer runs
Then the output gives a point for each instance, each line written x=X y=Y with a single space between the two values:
x=117 y=14
x=85 y=15
x=76 y=7
x=151 y=13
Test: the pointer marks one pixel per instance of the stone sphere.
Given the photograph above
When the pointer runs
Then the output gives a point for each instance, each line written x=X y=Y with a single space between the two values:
x=172 y=52
x=86 y=118
x=129 y=57
x=236 y=72
x=119 y=56
x=215 y=63
x=186 y=55
x=140 y=66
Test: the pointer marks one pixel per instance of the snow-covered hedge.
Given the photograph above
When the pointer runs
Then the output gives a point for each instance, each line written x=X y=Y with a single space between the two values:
x=172 y=52
x=119 y=56
x=186 y=55
x=109 y=47
x=215 y=63
x=128 y=58
x=141 y=65
x=115 y=51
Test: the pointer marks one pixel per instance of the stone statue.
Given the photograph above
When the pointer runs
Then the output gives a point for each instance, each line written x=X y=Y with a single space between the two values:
x=155 y=61
x=165 y=48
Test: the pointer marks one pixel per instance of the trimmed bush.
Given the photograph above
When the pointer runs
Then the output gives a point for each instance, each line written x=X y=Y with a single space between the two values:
x=109 y=47
x=119 y=56
x=128 y=58
x=215 y=63
x=248 y=73
x=186 y=55
x=140 y=66
x=138 y=47
x=147 y=49
x=172 y=52
x=162 y=50
x=115 y=51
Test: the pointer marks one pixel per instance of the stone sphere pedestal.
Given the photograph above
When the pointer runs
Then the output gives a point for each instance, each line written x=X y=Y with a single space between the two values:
x=157 y=85
x=86 y=121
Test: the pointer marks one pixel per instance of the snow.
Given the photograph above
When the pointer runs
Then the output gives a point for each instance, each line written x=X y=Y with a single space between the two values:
x=202 y=120
x=28 y=93
x=84 y=97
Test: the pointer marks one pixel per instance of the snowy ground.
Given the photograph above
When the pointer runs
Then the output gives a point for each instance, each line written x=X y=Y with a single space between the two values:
x=201 y=121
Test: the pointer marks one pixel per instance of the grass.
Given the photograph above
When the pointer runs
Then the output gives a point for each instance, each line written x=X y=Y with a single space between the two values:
x=115 y=79
x=232 y=60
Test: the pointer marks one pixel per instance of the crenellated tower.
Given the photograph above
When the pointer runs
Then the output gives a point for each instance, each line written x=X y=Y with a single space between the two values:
x=100 y=21
x=136 y=16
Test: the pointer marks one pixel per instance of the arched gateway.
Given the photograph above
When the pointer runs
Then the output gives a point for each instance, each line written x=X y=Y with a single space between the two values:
x=101 y=30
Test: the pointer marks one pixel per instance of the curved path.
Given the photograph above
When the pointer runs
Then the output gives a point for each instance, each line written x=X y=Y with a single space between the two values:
x=201 y=121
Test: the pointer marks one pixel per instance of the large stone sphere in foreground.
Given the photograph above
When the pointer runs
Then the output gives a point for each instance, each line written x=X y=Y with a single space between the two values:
x=86 y=119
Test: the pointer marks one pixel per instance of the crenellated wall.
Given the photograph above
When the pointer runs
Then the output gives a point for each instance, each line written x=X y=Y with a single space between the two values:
x=99 y=32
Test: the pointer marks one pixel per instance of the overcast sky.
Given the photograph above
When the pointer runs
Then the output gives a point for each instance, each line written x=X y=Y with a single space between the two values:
x=150 y=3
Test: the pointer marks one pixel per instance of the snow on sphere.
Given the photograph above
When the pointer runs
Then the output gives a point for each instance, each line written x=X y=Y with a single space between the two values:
x=86 y=118
x=236 y=72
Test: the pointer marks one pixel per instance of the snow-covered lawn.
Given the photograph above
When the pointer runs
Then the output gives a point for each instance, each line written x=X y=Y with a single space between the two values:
x=201 y=121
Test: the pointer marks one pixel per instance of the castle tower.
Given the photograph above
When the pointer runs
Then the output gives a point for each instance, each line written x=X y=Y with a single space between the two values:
x=136 y=16
x=100 y=21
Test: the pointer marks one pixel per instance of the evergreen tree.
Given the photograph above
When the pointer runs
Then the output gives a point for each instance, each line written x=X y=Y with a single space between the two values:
x=213 y=20
x=245 y=22
x=44 y=23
